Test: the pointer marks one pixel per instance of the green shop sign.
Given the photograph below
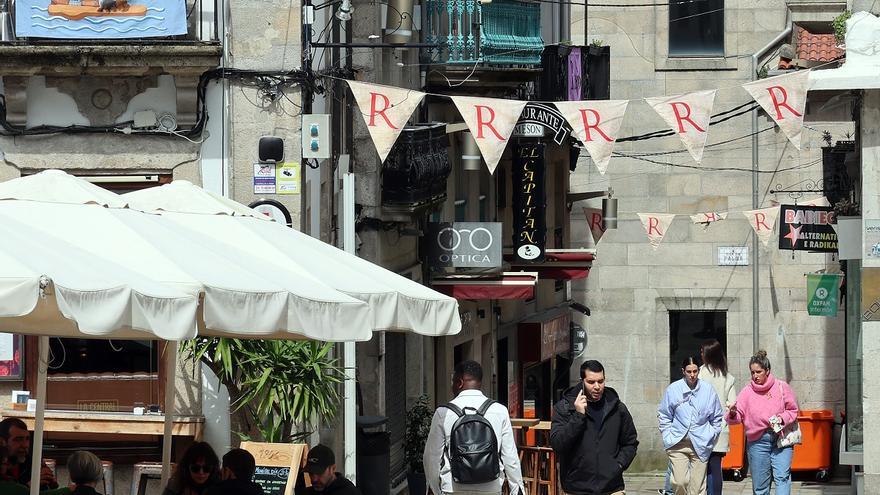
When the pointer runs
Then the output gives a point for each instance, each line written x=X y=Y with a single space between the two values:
x=823 y=294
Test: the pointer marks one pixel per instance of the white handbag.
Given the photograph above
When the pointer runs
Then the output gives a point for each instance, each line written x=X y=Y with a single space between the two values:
x=791 y=433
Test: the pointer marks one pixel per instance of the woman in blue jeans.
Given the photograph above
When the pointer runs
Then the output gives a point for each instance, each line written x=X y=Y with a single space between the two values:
x=765 y=402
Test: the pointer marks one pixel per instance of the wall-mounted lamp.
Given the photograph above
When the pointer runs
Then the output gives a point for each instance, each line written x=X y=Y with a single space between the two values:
x=609 y=211
x=399 y=21
x=471 y=159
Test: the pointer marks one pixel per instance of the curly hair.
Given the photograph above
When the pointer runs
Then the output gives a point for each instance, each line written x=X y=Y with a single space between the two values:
x=181 y=481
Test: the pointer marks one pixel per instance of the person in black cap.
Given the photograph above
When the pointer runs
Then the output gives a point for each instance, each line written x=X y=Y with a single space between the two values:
x=321 y=467
x=237 y=475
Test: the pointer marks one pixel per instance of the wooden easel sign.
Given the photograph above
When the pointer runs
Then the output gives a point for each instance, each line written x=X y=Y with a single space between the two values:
x=278 y=465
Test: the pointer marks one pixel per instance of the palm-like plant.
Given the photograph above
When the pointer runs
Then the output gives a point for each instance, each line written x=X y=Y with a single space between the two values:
x=281 y=386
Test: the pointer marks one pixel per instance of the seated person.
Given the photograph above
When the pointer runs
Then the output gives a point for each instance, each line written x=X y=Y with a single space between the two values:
x=16 y=437
x=321 y=466
x=85 y=472
x=237 y=475
x=9 y=486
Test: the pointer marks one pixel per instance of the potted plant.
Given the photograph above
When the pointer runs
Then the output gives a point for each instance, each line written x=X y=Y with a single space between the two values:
x=418 y=424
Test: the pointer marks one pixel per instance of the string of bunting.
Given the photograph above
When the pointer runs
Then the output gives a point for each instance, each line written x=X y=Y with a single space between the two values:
x=763 y=221
x=596 y=123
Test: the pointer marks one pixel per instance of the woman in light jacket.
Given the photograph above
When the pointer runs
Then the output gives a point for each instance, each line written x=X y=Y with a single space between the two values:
x=765 y=402
x=714 y=372
x=690 y=421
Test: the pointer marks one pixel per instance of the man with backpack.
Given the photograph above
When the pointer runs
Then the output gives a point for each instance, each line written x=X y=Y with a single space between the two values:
x=470 y=447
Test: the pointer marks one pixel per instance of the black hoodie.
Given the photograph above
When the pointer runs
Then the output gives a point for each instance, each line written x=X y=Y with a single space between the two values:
x=593 y=456
x=340 y=486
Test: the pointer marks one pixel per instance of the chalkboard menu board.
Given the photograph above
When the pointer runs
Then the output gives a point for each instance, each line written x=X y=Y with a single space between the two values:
x=277 y=465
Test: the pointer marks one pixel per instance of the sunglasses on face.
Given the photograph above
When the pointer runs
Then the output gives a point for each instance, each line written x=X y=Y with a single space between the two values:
x=203 y=468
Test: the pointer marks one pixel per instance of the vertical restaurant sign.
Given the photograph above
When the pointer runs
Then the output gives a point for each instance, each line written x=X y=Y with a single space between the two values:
x=807 y=228
x=100 y=19
x=529 y=223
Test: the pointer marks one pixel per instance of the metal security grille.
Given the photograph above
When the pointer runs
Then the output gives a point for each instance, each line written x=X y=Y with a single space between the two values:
x=395 y=401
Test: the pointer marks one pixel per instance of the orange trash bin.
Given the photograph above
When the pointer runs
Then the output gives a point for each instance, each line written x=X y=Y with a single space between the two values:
x=814 y=453
x=733 y=461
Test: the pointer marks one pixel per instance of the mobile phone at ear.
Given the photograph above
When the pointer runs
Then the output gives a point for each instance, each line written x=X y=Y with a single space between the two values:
x=584 y=389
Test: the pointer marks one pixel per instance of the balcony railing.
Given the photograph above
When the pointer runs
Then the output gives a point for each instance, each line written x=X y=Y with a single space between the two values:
x=49 y=26
x=503 y=32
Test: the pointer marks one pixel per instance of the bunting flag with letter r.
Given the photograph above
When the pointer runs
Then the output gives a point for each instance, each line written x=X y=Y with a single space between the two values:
x=386 y=110
x=596 y=124
x=763 y=222
x=655 y=225
x=688 y=115
x=594 y=221
x=491 y=122
x=784 y=98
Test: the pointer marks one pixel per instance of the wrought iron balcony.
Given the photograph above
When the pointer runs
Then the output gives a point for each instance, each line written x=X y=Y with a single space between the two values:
x=503 y=32
x=417 y=167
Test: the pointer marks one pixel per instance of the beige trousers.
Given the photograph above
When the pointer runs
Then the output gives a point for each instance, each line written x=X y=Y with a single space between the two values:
x=688 y=471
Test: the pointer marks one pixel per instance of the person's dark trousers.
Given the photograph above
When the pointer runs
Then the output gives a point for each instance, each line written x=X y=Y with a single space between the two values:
x=714 y=479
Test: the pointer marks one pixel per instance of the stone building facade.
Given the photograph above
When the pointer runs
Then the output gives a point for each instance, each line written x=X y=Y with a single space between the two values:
x=651 y=306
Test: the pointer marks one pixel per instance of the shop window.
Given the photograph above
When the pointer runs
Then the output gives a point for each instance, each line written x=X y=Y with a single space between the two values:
x=696 y=29
x=688 y=330
x=462 y=352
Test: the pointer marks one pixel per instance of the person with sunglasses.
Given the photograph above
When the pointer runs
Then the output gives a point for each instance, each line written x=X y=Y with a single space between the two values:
x=197 y=470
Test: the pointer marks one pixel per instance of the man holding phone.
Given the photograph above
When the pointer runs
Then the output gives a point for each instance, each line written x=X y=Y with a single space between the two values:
x=594 y=436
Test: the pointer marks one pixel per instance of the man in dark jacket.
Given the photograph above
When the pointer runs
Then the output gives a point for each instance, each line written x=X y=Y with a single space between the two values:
x=321 y=466
x=594 y=436
x=237 y=473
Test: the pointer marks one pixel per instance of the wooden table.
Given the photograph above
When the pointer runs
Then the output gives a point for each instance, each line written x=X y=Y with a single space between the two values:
x=111 y=423
x=524 y=423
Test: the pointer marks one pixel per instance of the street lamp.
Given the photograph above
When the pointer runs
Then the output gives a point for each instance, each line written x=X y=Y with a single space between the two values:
x=345 y=11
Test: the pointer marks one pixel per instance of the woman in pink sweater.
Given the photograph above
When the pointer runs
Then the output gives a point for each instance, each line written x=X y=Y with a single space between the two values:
x=764 y=401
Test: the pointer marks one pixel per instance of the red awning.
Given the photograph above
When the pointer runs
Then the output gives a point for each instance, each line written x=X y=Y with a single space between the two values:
x=560 y=264
x=518 y=285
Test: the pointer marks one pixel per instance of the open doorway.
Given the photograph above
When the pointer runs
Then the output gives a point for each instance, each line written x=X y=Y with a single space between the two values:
x=688 y=330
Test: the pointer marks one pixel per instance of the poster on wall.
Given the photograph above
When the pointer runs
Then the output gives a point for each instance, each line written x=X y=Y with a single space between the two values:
x=823 y=294
x=264 y=178
x=288 y=178
x=807 y=228
x=529 y=203
x=872 y=239
x=11 y=346
x=99 y=19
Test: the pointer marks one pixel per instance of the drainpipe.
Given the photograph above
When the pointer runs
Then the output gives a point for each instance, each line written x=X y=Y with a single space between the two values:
x=756 y=288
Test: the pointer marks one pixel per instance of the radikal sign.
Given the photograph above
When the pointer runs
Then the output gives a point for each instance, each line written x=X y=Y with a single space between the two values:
x=464 y=244
x=538 y=117
x=529 y=224
x=807 y=228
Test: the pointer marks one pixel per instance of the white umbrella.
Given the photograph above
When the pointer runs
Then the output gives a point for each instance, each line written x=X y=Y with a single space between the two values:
x=80 y=263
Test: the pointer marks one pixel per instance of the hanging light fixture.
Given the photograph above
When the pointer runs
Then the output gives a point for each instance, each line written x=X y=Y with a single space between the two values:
x=345 y=11
x=609 y=211
x=471 y=159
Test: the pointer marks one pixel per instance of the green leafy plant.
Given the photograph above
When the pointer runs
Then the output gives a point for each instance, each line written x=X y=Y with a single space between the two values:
x=597 y=42
x=418 y=425
x=279 y=387
x=847 y=208
x=839 y=25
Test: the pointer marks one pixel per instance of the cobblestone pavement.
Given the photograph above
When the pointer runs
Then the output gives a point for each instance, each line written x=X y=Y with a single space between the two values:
x=649 y=484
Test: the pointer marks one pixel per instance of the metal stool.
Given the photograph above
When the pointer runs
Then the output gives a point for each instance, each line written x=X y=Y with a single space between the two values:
x=141 y=473
x=107 y=467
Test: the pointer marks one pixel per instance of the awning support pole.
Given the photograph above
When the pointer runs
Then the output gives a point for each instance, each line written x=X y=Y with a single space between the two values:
x=170 y=392
x=349 y=359
x=39 y=415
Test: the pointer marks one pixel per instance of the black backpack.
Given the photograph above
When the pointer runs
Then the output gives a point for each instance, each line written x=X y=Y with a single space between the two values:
x=473 y=447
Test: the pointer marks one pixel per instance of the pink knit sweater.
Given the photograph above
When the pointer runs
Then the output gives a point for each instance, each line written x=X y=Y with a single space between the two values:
x=755 y=405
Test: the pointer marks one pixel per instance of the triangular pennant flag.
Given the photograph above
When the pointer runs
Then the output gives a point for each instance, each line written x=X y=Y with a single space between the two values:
x=386 y=111
x=596 y=124
x=763 y=222
x=710 y=217
x=688 y=115
x=491 y=121
x=655 y=225
x=784 y=98
x=594 y=222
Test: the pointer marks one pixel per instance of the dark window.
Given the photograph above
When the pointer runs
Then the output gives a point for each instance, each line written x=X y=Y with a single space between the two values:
x=102 y=356
x=696 y=28
x=688 y=330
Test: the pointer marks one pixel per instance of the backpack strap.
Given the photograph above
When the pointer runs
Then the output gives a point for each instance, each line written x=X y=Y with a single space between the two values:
x=452 y=407
x=485 y=407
